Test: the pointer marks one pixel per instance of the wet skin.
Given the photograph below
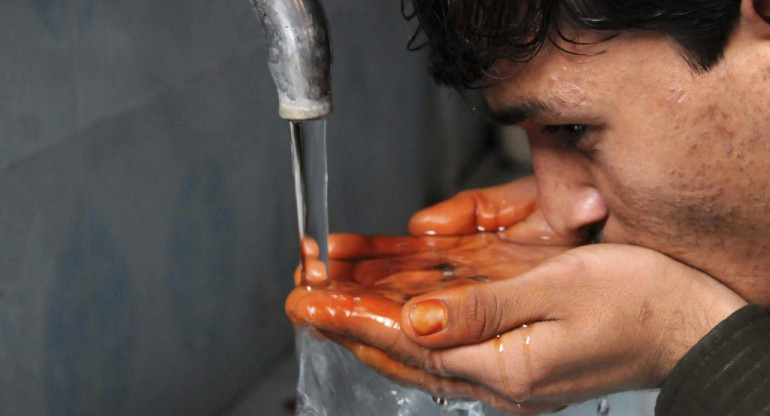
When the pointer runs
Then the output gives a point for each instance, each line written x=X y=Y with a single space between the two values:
x=372 y=277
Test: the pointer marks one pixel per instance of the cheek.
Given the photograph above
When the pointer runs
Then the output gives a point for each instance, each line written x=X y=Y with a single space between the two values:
x=677 y=181
x=659 y=181
x=639 y=203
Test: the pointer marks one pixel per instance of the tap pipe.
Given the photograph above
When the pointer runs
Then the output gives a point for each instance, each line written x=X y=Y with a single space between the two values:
x=299 y=56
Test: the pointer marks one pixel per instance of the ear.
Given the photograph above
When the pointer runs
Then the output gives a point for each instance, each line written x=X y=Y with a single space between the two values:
x=755 y=16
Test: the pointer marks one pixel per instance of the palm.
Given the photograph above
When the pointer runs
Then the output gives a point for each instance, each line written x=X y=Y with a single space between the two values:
x=371 y=277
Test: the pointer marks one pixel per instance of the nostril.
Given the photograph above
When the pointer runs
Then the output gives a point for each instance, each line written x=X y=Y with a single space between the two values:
x=594 y=234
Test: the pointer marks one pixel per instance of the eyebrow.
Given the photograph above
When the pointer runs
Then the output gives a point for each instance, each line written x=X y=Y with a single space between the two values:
x=516 y=113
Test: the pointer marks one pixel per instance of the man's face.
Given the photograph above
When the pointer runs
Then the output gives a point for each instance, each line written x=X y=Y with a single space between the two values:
x=629 y=141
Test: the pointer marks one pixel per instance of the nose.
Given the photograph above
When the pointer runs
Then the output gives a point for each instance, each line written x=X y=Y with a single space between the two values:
x=566 y=194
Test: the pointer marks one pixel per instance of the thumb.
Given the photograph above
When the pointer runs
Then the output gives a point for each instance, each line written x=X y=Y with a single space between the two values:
x=488 y=209
x=475 y=313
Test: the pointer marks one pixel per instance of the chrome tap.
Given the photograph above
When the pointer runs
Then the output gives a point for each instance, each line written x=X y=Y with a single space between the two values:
x=299 y=56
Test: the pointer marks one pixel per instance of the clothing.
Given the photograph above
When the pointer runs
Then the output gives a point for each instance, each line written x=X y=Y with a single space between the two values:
x=725 y=373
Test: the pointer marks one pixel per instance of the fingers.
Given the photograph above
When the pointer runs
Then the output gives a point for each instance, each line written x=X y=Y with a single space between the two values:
x=475 y=313
x=370 y=272
x=312 y=271
x=364 y=317
x=451 y=388
x=355 y=246
x=368 y=259
x=360 y=246
x=535 y=230
x=488 y=209
x=503 y=365
x=298 y=276
x=369 y=314
x=309 y=247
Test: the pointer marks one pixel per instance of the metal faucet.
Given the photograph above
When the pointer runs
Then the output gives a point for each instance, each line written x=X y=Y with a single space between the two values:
x=298 y=55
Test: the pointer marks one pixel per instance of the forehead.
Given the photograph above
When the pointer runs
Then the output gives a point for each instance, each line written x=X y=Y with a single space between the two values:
x=539 y=87
x=550 y=77
x=587 y=73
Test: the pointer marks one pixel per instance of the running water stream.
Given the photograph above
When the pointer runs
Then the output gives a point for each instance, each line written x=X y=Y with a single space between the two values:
x=308 y=150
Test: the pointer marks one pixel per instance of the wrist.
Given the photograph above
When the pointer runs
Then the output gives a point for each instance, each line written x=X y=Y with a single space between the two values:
x=692 y=321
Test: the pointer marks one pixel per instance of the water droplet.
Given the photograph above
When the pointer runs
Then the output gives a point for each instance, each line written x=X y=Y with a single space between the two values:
x=603 y=407
x=440 y=400
x=501 y=363
x=447 y=269
x=525 y=332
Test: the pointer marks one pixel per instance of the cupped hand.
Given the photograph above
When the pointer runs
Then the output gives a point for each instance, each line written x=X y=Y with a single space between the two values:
x=371 y=277
x=591 y=321
x=510 y=210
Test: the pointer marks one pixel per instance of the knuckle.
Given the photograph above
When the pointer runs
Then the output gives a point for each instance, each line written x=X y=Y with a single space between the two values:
x=391 y=342
x=474 y=317
x=483 y=315
x=433 y=362
x=574 y=261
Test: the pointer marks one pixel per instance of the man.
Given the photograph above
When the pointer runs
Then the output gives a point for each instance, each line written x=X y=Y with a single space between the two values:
x=649 y=133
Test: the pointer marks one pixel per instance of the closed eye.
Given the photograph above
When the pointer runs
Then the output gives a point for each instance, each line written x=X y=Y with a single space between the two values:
x=572 y=133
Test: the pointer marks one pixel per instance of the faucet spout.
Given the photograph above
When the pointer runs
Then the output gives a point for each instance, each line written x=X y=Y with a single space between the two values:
x=299 y=56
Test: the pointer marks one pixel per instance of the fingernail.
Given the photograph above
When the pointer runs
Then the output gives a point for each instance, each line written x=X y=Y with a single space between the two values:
x=428 y=316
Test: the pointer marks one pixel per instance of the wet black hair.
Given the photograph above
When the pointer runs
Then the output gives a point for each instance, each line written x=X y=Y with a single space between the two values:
x=466 y=36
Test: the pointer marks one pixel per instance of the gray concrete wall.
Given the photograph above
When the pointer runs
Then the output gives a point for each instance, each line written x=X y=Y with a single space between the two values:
x=146 y=210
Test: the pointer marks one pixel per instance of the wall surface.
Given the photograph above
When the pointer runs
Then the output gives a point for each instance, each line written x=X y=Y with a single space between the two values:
x=146 y=204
